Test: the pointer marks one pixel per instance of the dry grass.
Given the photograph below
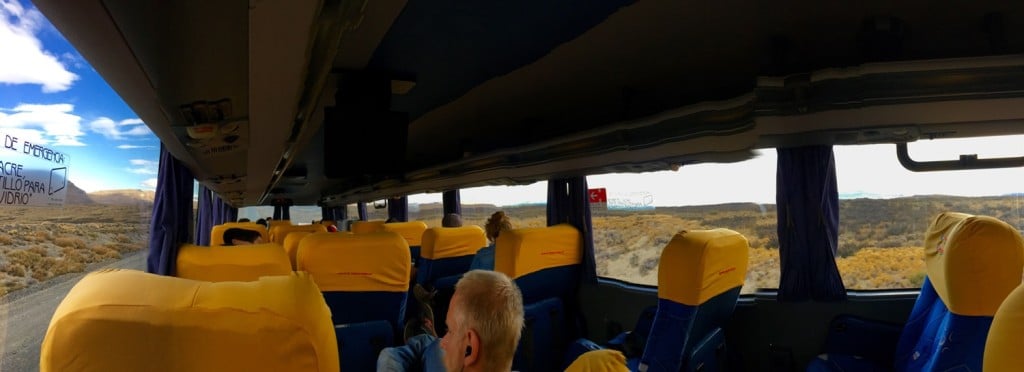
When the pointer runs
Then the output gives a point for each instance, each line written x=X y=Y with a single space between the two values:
x=44 y=243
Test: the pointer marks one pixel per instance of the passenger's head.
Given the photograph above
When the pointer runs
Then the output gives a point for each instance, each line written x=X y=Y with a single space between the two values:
x=451 y=220
x=485 y=320
x=262 y=222
x=391 y=220
x=236 y=236
x=244 y=220
x=498 y=222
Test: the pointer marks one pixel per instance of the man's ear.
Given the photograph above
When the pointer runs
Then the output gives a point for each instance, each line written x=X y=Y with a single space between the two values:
x=473 y=350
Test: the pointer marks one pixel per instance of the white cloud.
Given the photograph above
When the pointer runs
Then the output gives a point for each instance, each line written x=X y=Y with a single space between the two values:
x=116 y=130
x=149 y=183
x=142 y=166
x=53 y=124
x=131 y=147
x=25 y=60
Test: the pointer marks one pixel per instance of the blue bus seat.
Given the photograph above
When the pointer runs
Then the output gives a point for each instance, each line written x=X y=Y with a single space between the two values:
x=545 y=264
x=364 y=278
x=700 y=275
x=217 y=232
x=972 y=264
x=231 y=263
x=447 y=251
x=129 y=320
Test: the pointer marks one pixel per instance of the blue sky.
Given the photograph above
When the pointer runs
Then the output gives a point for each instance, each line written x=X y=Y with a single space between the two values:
x=50 y=95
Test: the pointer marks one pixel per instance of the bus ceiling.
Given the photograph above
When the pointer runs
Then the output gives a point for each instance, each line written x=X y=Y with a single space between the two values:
x=288 y=94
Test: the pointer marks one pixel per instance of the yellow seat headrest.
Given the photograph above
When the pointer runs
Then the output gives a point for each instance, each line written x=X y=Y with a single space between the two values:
x=973 y=262
x=128 y=320
x=700 y=264
x=444 y=242
x=291 y=244
x=519 y=252
x=412 y=231
x=1004 y=344
x=378 y=261
x=231 y=263
x=362 y=227
x=217 y=232
x=280 y=232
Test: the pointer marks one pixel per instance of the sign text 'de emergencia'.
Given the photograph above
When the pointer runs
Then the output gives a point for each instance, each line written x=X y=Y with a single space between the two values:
x=31 y=174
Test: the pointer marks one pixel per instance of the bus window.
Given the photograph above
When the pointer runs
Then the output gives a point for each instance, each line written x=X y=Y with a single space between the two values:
x=884 y=209
x=426 y=207
x=643 y=211
x=376 y=210
x=525 y=205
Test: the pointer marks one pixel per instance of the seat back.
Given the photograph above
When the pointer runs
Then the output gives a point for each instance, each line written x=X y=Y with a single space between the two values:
x=412 y=231
x=972 y=264
x=700 y=276
x=545 y=263
x=448 y=251
x=128 y=320
x=363 y=227
x=231 y=263
x=217 y=232
x=291 y=244
x=364 y=279
x=1004 y=343
x=279 y=232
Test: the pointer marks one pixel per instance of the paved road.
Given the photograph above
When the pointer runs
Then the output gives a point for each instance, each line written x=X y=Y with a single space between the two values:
x=25 y=314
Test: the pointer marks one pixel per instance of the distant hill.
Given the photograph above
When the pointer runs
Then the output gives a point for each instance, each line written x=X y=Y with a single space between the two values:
x=122 y=197
x=76 y=195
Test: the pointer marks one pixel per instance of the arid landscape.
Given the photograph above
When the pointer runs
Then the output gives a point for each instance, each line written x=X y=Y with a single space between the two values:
x=37 y=244
x=879 y=239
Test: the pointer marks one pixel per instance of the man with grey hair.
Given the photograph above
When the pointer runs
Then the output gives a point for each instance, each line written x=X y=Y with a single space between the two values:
x=485 y=322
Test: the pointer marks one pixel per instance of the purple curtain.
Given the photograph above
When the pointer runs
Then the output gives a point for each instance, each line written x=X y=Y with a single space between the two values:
x=452 y=202
x=569 y=202
x=361 y=207
x=277 y=212
x=808 y=224
x=172 y=214
x=398 y=208
x=204 y=221
x=286 y=212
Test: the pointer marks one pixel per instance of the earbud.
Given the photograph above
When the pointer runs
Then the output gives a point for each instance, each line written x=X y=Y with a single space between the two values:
x=469 y=350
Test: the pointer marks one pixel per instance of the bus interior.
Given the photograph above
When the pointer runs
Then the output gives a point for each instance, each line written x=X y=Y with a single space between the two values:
x=356 y=108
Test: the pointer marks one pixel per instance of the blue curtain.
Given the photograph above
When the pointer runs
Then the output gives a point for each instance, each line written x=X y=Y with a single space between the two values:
x=277 y=212
x=568 y=202
x=361 y=207
x=334 y=213
x=808 y=224
x=398 y=208
x=212 y=211
x=172 y=214
x=204 y=221
x=222 y=212
x=286 y=212
x=452 y=202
